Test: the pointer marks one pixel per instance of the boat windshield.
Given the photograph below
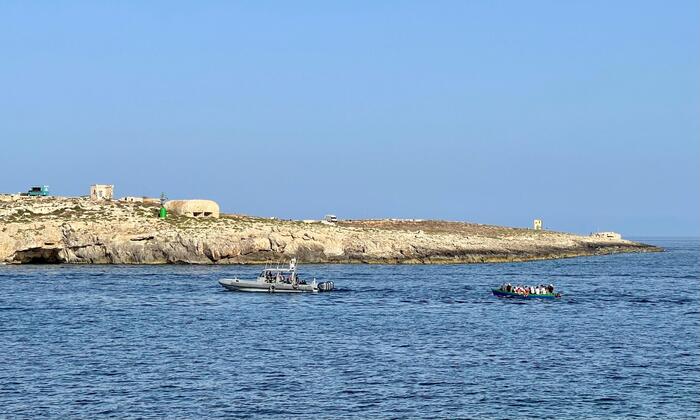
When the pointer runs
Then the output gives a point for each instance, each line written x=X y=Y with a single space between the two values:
x=277 y=274
x=281 y=275
x=275 y=271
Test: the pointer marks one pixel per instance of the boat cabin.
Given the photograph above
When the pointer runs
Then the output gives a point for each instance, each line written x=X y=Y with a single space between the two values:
x=280 y=275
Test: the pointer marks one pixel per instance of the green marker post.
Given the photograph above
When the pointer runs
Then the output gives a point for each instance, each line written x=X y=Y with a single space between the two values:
x=163 y=213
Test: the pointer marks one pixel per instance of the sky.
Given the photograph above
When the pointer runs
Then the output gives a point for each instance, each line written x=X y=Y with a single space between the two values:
x=585 y=114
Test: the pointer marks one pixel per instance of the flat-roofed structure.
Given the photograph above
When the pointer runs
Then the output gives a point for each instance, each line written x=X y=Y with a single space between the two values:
x=101 y=192
x=193 y=208
x=129 y=199
x=537 y=224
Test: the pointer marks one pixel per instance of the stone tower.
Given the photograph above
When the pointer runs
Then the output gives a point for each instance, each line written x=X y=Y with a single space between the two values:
x=537 y=224
x=101 y=192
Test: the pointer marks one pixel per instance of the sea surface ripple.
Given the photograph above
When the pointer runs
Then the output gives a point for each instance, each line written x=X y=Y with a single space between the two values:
x=391 y=342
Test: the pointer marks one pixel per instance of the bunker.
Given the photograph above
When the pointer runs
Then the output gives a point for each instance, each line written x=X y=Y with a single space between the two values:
x=193 y=208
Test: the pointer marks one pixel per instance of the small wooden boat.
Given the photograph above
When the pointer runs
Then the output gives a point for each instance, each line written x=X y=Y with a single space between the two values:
x=513 y=295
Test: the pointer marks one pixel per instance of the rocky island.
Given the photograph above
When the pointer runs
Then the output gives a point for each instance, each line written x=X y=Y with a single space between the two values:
x=81 y=231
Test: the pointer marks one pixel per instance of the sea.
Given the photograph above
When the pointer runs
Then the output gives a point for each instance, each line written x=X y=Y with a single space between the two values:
x=392 y=341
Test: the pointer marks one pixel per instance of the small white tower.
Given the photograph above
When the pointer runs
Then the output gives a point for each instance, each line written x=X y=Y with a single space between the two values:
x=101 y=192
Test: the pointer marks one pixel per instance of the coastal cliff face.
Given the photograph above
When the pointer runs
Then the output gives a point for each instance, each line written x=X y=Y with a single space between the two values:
x=73 y=230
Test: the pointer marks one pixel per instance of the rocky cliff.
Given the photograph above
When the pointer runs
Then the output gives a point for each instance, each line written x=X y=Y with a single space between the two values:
x=75 y=230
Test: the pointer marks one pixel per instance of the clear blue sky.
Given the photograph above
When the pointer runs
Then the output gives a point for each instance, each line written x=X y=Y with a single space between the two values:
x=585 y=114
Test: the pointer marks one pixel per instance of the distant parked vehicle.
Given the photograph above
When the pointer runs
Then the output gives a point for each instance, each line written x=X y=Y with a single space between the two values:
x=331 y=218
x=41 y=191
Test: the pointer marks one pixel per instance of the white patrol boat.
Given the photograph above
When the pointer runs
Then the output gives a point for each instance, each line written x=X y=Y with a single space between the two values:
x=277 y=280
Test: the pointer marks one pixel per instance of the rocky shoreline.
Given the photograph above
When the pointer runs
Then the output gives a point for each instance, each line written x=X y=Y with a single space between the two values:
x=80 y=231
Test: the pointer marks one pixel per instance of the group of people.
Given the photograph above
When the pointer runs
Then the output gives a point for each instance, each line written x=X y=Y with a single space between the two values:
x=271 y=277
x=278 y=277
x=528 y=290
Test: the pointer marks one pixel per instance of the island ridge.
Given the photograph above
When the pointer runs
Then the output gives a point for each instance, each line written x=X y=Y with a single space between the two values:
x=81 y=231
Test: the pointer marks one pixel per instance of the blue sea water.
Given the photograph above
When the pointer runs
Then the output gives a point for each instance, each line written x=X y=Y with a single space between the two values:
x=392 y=341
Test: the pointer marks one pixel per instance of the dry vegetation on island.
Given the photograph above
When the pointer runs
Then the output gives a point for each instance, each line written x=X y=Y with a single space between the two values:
x=77 y=230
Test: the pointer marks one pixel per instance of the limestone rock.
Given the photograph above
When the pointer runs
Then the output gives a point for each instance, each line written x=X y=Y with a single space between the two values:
x=62 y=230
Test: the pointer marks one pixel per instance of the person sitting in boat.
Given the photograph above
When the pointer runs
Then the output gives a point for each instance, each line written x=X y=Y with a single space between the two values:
x=550 y=288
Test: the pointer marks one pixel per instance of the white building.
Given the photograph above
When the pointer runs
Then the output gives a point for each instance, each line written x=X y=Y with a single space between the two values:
x=101 y=192
x=129 y=199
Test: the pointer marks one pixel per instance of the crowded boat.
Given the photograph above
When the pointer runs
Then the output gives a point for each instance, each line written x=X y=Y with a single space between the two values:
x=526 y=291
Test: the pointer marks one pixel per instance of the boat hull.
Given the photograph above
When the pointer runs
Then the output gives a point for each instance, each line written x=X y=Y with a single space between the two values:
x=512 y=295
x=237 y=285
